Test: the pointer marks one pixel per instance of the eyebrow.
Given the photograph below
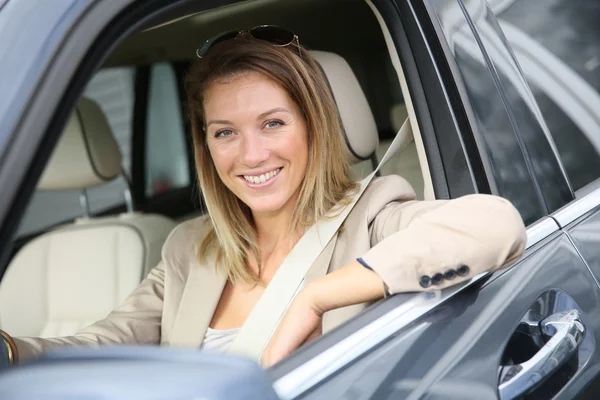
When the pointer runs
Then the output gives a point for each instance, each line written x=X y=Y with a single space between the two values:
x=261 y=116
x=278 y=109
x=218 y=121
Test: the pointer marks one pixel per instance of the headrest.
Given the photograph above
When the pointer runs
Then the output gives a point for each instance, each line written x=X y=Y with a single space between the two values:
x=398 y=115
x=362 y=137
x=86 y=155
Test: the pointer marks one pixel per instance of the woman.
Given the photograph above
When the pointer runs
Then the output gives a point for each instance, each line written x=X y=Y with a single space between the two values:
x=271 y=161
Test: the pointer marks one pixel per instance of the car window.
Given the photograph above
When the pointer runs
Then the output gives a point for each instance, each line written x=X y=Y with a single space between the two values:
x=524 y=110
x=556 y=43
x=498 y=134
x=166 y=156
x=113 y=90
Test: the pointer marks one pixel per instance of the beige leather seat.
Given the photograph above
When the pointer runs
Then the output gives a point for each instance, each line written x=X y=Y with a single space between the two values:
x=360 y=127
x=74 y=275
x=357 y=119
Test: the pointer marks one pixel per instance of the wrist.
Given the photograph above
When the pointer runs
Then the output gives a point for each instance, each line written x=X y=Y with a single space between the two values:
x=349 y=285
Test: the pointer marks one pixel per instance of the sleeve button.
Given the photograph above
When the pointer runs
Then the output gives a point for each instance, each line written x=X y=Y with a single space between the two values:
x=437 y=279
x=425 y=281
x=450 y=274
x=463 y=270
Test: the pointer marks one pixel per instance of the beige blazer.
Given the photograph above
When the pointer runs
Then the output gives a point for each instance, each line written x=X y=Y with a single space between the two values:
x=402 y=239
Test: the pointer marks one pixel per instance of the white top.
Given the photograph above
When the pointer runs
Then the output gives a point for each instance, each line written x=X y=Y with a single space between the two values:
x=219 y=339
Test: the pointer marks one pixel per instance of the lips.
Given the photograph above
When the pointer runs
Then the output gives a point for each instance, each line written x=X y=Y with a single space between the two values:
x=262 y=178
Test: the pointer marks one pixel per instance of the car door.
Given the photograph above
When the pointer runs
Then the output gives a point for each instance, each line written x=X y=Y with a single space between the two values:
x=478 y=39
x=491 y=339
x=559 y=48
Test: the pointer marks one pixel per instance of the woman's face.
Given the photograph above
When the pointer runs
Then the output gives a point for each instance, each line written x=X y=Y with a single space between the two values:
x=258 y=141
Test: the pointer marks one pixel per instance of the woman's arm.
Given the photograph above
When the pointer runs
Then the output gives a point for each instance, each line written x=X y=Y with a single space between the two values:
x=136 y=321
x=430 y=245
x=352 y=284
x=416 y=246
x=301 y=323
x=413 y=242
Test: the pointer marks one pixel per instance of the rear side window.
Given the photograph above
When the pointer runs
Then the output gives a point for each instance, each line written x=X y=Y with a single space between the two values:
x=167 y=165
x=557 y=45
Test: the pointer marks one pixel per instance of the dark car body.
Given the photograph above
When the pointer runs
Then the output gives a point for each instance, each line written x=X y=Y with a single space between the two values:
x=486 y=129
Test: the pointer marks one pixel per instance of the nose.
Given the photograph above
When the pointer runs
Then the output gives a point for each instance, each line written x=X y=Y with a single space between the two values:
x=253 y=150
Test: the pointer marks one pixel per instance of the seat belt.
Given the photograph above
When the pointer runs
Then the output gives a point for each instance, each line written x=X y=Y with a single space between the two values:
x=261 y=324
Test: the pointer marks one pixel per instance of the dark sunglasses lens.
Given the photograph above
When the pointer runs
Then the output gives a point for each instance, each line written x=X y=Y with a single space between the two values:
x=273 y=34
x=217 y=39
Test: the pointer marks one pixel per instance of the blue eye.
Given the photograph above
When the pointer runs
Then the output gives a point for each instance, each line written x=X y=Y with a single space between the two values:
x=274 y=123
x=223 y=133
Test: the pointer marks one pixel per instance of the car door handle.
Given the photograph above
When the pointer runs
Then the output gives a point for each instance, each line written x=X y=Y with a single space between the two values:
x=567 y=331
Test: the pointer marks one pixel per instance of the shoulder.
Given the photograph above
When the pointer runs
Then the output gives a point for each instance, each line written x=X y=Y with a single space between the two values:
x=381 y=192
x=392 y=187
x=182 y=243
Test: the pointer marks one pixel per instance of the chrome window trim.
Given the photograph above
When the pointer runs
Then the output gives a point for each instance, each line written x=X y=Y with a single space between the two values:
x=577 y=208
x=540 y=230
x=347 y=350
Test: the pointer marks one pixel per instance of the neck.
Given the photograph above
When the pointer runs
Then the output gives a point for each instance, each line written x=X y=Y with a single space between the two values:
x=273 y=231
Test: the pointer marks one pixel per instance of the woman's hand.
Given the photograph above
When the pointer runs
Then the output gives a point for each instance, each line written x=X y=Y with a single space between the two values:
x=300 y=324
x=352 y=284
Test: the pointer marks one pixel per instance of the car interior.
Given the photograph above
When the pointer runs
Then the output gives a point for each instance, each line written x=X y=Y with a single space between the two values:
x=122 y=174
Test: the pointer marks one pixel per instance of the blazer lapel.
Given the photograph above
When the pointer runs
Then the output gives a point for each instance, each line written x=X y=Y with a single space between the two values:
x=203 y=290
x=198 y=303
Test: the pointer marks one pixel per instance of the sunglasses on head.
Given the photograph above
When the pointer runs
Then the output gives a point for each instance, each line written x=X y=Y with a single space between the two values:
x=269 y=33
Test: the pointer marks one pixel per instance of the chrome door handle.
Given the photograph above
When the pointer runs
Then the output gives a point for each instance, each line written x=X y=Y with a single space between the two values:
x=567 y=331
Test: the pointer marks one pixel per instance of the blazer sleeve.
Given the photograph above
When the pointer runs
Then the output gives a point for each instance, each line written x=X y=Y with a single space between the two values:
x=136 y=321
x=427 y=245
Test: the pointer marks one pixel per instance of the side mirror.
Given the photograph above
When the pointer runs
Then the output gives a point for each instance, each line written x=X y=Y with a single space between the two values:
x=136 y=373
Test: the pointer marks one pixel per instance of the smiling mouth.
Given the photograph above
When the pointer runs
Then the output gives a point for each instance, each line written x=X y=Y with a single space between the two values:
x=261 y=178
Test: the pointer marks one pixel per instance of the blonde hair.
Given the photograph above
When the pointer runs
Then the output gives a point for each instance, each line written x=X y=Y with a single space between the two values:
x=327 y=181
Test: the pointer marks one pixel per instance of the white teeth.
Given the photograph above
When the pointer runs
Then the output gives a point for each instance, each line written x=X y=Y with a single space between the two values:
x=262 y=178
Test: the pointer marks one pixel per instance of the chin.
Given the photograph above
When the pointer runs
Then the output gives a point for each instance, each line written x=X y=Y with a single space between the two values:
x=263 y=206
